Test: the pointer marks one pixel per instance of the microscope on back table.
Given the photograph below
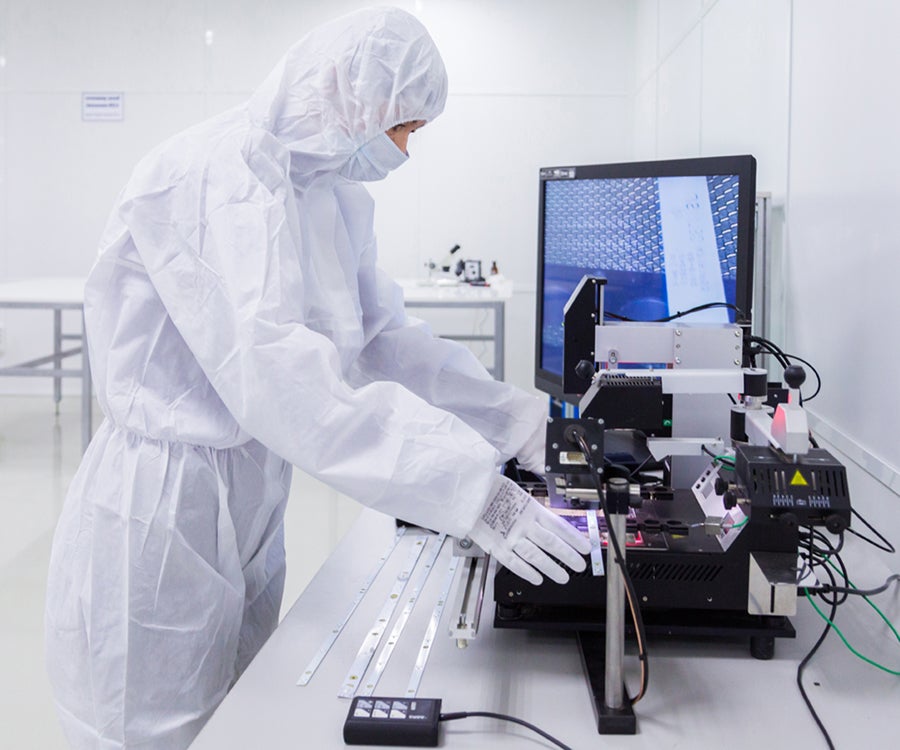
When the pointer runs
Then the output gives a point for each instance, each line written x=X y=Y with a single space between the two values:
x=708 y=528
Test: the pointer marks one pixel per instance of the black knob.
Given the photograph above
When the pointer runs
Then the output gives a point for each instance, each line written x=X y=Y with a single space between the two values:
x=585 y=369
x=794 y=376
x=755 y=382
x=789 y=519
x=738 y=424
x=835 y=524
x=729 y=499
x=573 y=432
x=720 y=486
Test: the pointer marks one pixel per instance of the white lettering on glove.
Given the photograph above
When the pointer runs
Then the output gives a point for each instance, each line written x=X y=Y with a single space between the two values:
x=522 y=535
x=504 y=510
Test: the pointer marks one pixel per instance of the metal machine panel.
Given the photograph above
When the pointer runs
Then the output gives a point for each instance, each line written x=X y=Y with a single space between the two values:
x=772 y=588
x=677 y=345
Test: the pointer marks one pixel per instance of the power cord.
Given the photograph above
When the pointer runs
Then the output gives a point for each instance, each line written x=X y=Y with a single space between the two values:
x=888 y=547
x=759 y=345
x=681 y=313
x=411 y=722
x=802 y=667
x=864 y=592
x=725 y=460
x=836 y=629
x=820 y=553
x=504 y=717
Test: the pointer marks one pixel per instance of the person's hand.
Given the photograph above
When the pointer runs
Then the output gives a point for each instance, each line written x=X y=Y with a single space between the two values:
x=531 y=456
x=522 y=535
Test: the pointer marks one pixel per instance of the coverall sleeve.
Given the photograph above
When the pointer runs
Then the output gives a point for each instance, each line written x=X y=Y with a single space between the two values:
x=234 y=295
x=444 y=373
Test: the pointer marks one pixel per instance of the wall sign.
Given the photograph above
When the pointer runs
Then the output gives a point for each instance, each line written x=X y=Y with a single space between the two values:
x=102 y=106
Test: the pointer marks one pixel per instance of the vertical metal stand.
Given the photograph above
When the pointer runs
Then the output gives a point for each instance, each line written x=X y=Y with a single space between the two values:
x=615 y=619
x=57 y=359
x=498 y=370
x=86 y=391
x=612 y=706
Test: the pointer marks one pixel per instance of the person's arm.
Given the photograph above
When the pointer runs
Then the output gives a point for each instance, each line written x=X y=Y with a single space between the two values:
x=234 y=291
x=446 y=373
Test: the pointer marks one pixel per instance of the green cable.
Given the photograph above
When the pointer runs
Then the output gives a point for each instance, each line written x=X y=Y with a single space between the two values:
x=837 y=630
x=868 y=601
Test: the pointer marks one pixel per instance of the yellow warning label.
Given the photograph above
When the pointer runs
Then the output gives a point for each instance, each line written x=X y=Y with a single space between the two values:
x=798 y=479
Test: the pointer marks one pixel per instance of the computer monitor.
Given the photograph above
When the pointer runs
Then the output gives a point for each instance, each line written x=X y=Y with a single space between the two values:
x=667 y=236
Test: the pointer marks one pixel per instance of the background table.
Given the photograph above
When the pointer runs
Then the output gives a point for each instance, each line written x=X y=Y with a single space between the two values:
x=419 y=293
x=55 y=294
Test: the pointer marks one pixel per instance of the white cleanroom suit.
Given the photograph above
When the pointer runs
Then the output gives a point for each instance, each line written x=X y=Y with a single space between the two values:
x=237 y=324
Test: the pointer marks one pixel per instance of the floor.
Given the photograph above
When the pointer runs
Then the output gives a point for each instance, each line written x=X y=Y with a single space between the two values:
x=39 y=454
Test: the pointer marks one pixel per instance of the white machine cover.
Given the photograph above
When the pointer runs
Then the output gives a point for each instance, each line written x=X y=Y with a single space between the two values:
x=238 y=324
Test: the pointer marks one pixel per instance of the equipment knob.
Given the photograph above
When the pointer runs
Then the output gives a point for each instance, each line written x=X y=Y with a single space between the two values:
x=729 y=499
x=755 y=382
x=585 y=369
x=794 y=376
x=835 y=524
x=789 y=519
x=720 y=486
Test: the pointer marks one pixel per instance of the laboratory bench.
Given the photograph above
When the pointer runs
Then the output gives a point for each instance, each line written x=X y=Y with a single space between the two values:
x=702 y=693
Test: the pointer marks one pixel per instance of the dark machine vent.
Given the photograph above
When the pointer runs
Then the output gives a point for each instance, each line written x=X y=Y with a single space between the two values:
x=636 y=381
x=832 y=482
x=661 y=571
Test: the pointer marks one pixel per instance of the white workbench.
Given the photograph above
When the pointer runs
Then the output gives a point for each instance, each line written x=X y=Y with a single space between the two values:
x=422 y=293
x=701 y=695
x=55 y=294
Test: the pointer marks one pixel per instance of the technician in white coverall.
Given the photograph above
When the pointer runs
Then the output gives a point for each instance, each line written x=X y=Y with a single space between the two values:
x=237 y=324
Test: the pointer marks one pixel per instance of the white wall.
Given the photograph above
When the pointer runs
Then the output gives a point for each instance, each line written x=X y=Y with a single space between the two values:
x=712 y=79
x=844 y=190
x=531 y=83
x=807 y=86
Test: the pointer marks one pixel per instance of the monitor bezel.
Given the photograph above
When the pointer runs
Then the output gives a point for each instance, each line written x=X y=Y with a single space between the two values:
x=743 y=165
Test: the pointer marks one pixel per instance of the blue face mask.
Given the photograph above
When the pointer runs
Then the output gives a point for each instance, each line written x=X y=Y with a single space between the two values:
x=373 y=160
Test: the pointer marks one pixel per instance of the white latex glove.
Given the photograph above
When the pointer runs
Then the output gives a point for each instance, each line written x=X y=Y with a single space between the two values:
x=520 y=532
x=531 y=456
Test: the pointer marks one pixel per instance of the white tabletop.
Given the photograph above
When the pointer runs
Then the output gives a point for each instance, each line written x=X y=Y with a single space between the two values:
x=48 y=291
x=435 y=290
x=702 y=694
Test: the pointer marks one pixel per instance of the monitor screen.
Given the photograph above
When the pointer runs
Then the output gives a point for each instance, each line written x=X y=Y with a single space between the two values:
x=667 y=236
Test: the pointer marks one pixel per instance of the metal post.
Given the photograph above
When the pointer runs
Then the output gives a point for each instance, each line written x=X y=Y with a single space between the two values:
x=499 y=346
x=603 y=662
x=615 y=716
x=86 y=391
x=615 y=615
x=57 y=360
